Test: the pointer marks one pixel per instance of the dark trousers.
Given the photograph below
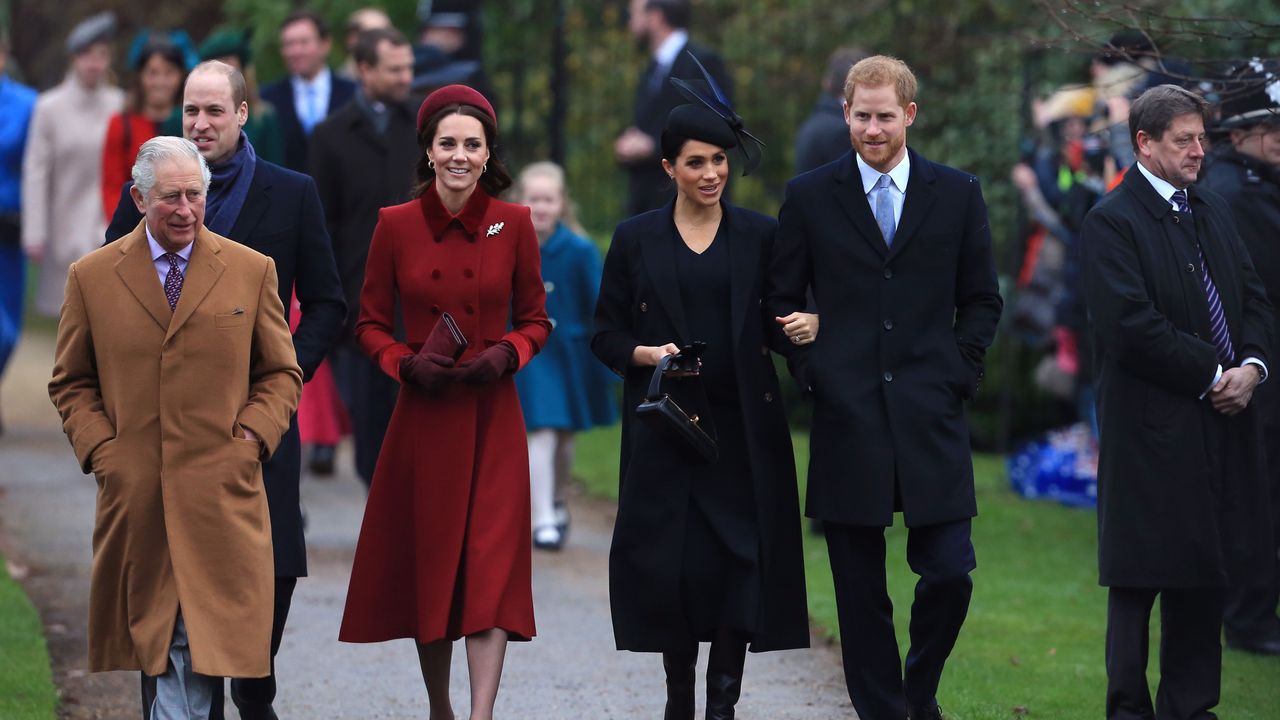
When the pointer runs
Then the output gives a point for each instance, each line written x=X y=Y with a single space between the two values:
x=1190 y=653
x=253 y=696
x=370 y=397
x=1251 y=610
x=942 y=555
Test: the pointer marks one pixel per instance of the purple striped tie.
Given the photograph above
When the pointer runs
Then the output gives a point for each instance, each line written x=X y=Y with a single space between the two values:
x=173 y=280
x=1217 y=318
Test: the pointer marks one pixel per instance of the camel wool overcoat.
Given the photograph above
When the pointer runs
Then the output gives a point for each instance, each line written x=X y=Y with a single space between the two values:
x=155 y=403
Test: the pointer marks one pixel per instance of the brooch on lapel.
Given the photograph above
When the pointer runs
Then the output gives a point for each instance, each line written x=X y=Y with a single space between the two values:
x=494 y=229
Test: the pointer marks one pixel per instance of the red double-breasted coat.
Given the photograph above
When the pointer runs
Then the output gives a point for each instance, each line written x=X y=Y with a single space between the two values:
x=444 y=549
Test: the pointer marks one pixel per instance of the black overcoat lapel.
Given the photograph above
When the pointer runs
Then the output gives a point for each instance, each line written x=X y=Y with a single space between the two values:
x=920 y=197
x=744 y=259
x=853 y=200
x=658 y=247
x=255 y=206
x=1212 y=239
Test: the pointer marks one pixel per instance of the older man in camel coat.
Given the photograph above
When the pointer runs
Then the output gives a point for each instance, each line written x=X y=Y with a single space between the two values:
x=175 y=376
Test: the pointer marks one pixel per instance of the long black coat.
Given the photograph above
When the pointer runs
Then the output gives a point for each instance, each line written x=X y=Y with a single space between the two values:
x=357 y=172
x=1252 y=191
x=281 y=218
x=640 y=304
x=648 y=185
x=904 y=332
x=1181 y=502
x=280 y=94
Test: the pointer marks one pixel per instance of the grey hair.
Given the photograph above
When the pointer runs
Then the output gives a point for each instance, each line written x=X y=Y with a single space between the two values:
x=158 y=149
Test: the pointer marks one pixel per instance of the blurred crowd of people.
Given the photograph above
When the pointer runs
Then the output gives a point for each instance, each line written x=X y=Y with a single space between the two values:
x=1080 y=151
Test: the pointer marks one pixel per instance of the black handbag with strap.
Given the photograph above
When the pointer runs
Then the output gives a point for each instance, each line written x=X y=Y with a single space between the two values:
x=685 y=432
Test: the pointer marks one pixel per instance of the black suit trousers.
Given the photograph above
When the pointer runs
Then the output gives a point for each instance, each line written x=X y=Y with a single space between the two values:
x=370 y=398
x=1190 y=653
x=253 y=696
x=942 y=556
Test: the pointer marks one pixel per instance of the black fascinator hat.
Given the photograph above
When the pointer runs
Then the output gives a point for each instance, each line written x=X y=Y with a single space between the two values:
x=714 y=116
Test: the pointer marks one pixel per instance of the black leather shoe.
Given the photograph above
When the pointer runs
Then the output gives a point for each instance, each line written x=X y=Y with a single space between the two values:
x=724 y=678
x=322 y=460
x=1257 y=646
x=681 y=675
x=925 y=713
x=562 y=518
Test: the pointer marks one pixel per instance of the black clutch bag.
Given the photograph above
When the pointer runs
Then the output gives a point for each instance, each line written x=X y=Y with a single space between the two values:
x=683 y=431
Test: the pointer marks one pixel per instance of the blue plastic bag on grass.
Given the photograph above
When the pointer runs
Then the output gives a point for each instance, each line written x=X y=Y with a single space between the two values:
x=1062 y=465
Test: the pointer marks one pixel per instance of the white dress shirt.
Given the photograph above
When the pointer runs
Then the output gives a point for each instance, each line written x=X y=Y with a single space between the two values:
x=665 y=55
x=1165 y=189
x=321 y=84
x=897 y=189
x=162 y=263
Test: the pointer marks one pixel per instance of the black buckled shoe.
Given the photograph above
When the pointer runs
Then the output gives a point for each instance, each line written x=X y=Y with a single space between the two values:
x=925 y=713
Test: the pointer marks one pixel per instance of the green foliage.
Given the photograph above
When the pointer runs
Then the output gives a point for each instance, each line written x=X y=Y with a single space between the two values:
x=264 y=16
x=1034 y=635
x=26 y=684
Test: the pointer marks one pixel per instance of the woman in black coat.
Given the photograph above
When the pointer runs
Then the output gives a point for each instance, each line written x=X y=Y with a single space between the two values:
x=701 y=551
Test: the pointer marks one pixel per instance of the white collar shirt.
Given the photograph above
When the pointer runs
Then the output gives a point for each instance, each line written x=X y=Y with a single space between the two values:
x=161 y=262
x=309 y=108
x=665 y=55
x=897 y=189
x=1163 y=187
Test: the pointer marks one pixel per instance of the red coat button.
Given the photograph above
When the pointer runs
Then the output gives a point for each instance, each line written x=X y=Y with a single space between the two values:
x=468 y=273
x=435 y=309
x=469 y=309
x=435 y=274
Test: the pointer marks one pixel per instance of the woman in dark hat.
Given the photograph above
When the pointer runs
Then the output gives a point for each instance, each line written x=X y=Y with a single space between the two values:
x=444 y=550
x=159 y=63
x=702 y=551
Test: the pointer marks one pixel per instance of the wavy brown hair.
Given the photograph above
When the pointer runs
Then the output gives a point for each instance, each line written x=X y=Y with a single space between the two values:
x=494 y=180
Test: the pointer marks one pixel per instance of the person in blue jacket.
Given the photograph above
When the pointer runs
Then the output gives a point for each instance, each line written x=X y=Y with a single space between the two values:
x=16 y=104
x=563 y=390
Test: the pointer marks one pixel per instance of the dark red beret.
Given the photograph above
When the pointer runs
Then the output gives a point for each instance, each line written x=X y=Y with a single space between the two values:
x=449 y=95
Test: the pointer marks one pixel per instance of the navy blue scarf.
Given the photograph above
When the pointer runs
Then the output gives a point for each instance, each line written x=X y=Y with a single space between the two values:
x=229 y=188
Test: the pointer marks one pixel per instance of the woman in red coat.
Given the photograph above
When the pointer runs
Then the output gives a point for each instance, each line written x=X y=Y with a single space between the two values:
x=159 y=62
x=444 y=550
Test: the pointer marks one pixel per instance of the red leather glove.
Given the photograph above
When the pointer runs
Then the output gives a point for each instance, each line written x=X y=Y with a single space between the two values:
x=430 y=372
x=489 y=365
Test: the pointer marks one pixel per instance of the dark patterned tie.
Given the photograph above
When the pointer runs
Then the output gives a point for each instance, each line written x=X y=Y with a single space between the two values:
x=1217 y=318
x=173 y=281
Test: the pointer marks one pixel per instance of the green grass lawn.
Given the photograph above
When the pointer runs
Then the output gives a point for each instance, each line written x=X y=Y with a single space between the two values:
x=1032 y=646
x=26 y=686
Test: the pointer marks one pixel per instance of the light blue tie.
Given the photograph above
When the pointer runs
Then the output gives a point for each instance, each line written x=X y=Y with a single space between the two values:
x=312 y=115
x=884 y=209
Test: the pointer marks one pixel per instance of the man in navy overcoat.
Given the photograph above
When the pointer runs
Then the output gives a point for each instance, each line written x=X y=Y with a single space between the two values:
x=897 y=252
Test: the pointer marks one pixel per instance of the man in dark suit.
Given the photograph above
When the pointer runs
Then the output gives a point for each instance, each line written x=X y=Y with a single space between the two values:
x=311 y=91
x=1246 y=173
x=363 y=159
x=660 y=28
x=897 y=252
x=276 y=212
x=1181 y=329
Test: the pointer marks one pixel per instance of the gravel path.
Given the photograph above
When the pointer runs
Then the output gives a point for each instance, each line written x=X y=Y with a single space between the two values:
x=570 y=670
